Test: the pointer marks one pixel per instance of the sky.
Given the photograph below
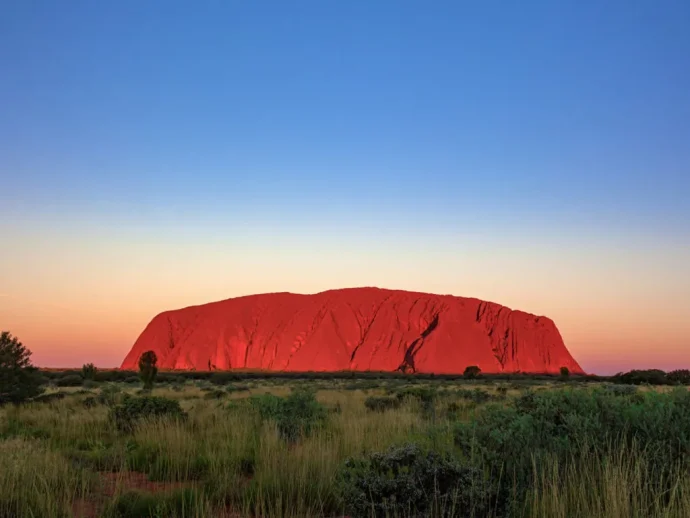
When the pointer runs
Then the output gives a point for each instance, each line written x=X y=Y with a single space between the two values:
x=156 y=155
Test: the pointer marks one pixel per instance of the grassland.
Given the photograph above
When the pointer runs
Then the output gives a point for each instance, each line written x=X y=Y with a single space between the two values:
x=229 y=457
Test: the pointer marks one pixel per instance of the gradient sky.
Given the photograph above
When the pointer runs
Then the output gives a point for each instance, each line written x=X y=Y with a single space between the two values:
x=155 y=155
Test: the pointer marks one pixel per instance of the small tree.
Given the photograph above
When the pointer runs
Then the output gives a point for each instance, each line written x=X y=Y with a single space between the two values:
x=565 y=372
x=148 y=369
x=88 y=371
x=19 y=379
x=471 y=372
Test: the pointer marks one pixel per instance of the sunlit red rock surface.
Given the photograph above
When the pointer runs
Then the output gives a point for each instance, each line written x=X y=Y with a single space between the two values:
x=353 y=329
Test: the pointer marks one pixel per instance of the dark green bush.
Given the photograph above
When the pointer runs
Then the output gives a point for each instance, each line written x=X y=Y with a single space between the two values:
x=19 y=379
x=639 y=377
x=562 y=423
x=407 y=481
x=471 y=372
x=679 y=377
x=421 y=394
x=382 y=403
x=236 y=388
x=89 y=371
x=71 y=380
x=108 y=395
x=295 y=416
x=425 y=395
x=132 y=409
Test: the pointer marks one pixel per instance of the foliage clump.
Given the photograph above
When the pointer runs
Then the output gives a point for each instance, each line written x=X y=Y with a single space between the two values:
x=471 y=372
x=148 y=369
x=296 y=415
x=70 y=380
x=556 y=425
x=19 y=379
x=127 y=414
x=408 y=481
x=381 y=403
x=89 y=371
x=679 y=377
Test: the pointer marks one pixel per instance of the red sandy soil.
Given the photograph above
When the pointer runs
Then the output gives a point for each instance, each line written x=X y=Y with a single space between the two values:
x=109 y=483
x=362 y=329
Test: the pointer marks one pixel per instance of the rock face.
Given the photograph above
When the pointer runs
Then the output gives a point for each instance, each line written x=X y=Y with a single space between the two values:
x=353 y=329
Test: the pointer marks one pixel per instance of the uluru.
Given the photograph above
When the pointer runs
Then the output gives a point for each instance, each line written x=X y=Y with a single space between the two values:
x=360 y=329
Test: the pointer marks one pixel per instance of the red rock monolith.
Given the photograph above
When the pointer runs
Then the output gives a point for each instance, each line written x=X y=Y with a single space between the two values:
x=363 y=329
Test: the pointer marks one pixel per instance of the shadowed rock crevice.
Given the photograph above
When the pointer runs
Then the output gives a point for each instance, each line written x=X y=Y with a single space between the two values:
x=408 y=362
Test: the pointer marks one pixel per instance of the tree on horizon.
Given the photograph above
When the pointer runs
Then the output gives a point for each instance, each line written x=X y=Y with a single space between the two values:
x=148 y=369
x=19 y=379
x=471 y=372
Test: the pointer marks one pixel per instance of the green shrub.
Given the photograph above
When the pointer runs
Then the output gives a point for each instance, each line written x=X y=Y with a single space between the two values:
x=382 y=403
x=71 y=380
x=132 y=409
x=639 y=377
x=471 y=372
x=559 y=424
x=679 y=377
x=407 y=481
x=295 y=415
x=19 y=379
x=236 y=388
x=89 y=371
x=148 y=369
x=108 y=395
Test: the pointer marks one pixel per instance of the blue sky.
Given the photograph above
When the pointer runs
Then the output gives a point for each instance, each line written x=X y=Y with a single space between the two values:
x=563 y=125
x=311 y=106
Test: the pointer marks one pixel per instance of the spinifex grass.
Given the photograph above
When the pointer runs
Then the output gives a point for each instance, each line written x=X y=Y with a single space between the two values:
x=225 y=459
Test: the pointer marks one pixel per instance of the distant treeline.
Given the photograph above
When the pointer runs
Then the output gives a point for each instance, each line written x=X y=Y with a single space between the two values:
x=74 y=377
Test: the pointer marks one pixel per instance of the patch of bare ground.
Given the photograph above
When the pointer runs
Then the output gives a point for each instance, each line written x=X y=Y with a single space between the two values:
x=109 y=484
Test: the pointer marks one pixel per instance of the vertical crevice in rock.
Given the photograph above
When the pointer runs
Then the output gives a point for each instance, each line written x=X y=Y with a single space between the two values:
x=407 y=364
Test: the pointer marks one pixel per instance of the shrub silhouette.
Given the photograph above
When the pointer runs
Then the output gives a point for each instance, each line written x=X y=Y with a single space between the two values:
x=148 y=369
x=296 y=415
x=679 y=377
x=471 y=372
x=381 y=403
x=560 y=423
x=407 y=481
x=19 y=379
x=89 y=371
x=133 y=409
